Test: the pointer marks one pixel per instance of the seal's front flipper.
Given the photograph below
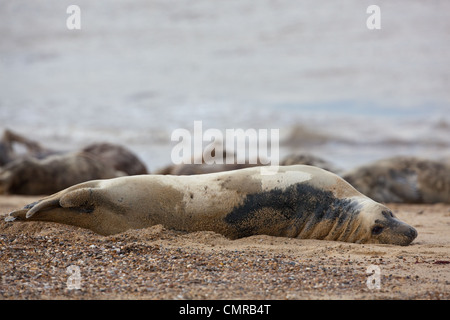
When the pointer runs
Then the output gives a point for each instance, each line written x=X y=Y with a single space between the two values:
x=80 y=200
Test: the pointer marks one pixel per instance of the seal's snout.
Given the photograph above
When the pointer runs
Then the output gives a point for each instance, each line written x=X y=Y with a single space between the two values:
x=389 y=230
x=407 y=234
x=411 y=234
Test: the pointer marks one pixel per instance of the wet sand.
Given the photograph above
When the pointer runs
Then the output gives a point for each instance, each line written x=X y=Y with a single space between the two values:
x=156 y=263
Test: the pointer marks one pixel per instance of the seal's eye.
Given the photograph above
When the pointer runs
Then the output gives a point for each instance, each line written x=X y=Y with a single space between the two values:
x=388 y=214
x=377 y=230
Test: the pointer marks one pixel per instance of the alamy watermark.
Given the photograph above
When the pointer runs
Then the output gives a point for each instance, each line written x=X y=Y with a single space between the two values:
x=74 y=280
x=73 y=22
x=373 y=281
x=373 y=22
x=374 y=278
x=235 y=146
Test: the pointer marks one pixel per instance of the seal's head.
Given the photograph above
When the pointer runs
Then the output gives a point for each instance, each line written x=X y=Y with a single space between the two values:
x=383 y=227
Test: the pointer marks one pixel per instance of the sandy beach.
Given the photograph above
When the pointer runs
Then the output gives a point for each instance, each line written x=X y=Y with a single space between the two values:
x=155 y=263
x=314 y=72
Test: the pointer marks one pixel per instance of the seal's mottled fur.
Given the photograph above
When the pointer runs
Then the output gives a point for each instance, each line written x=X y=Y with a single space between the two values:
x=297 y=201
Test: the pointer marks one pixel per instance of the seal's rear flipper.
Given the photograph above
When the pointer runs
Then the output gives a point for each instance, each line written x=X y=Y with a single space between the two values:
x=79 y=200
x=28 y=211
x=16 y=215
x=42 y=205
x=76 y=199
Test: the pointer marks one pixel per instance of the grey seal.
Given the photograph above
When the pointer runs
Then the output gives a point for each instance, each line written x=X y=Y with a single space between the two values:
x=298 y=201
x=403 y=180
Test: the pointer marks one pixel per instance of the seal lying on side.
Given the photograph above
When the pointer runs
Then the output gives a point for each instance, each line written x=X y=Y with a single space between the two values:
x=116 y=156
x=192 y=168
x=298 y=201
x=403 y=179
x=30 y=176
x=310 y=160
x=33 y=148
x=44 y=171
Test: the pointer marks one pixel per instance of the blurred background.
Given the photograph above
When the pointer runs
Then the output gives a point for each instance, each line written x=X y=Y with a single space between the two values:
x=139 y=69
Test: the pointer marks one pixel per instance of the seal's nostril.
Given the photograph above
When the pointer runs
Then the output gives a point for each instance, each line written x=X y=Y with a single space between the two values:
x=412 y=233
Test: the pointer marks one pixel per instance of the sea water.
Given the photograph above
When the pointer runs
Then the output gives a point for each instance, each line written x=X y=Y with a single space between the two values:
x=138 y=70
